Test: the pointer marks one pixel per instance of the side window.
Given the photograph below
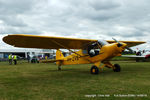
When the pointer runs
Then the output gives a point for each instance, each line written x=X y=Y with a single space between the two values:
x=84 y=51
x=93 y=49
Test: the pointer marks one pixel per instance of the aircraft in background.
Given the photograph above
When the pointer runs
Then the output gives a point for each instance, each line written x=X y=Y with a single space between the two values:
x=139 y=55
x=96 y=52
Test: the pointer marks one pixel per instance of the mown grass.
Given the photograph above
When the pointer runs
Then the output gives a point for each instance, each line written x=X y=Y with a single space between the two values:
x=42 y=81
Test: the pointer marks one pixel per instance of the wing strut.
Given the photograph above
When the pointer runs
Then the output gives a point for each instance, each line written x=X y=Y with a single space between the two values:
x=65 y=47
x=68 y=49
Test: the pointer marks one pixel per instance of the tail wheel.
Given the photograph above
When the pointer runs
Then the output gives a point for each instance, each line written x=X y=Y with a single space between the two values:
x=59 y=67
x=117 y=68
x=94 y=70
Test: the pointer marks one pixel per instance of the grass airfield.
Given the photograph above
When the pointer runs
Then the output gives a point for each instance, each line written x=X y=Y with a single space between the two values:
x=43 y=81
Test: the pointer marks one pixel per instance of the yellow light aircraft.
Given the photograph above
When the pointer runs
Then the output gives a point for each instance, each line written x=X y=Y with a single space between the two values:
x=90 y=51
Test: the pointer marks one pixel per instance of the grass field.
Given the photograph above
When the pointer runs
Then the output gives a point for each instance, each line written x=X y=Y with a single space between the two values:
x=43 y=82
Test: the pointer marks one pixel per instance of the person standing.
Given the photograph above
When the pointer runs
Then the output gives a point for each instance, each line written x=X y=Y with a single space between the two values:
x=10 y=59
x=28 y=58
x=46 y=57
x=15 y=59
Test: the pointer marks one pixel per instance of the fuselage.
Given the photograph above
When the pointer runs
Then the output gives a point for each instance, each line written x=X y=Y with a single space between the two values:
x=106 y=53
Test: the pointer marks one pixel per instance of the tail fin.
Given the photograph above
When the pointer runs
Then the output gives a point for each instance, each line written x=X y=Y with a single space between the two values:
x=59 y=55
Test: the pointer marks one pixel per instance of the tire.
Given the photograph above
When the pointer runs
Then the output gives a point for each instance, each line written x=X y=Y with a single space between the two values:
x=117 y=68
x=59 y=67
x=94 y=70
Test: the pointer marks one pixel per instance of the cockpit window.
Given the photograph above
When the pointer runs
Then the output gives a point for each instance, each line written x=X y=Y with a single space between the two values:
x=94 y=49
x=102 y=42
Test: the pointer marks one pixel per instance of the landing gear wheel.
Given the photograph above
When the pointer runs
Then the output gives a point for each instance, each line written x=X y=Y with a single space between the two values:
x=59 y=67
x=94 y=70
x=117 y=68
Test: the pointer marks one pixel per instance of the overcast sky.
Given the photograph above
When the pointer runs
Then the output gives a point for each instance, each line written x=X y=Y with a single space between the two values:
x=91 y=19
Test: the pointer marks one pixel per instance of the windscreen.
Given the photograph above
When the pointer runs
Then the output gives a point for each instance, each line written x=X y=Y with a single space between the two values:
x=102 y=42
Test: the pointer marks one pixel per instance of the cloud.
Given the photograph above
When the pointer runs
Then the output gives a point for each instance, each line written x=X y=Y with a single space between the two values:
x=13 y=7
x=93 y=19
x=103 y=4
x=13 y=21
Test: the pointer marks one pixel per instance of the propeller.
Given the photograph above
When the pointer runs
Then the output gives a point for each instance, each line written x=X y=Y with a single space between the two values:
x=120 y=44
x=129 y=49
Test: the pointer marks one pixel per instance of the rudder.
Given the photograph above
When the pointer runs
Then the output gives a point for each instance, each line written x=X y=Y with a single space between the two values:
x=59 y=55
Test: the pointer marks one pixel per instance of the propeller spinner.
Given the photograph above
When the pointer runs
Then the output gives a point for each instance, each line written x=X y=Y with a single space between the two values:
x=120 y=44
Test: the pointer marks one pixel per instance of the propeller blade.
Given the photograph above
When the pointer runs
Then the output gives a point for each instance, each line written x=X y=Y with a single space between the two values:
x=129 y=49
x=119 y=44
x=114 y=39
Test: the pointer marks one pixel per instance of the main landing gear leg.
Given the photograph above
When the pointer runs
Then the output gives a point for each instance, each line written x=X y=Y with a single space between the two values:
x=115 y=67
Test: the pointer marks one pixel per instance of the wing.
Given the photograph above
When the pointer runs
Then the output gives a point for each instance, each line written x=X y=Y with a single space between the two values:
x=129 y=43
x=45 y=42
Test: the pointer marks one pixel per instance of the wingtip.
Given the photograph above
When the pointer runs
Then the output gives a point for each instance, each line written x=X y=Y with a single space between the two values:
x=5 y=38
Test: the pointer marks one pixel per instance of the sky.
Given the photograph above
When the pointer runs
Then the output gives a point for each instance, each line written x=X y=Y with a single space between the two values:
x=89 y=19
